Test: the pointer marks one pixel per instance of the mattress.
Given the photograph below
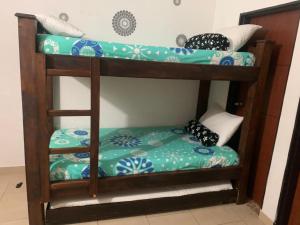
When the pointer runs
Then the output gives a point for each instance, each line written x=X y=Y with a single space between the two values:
x=60 y=45
x=128 y=151
x=143 y=194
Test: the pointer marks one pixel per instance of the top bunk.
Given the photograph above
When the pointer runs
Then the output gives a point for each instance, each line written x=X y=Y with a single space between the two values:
x=66 y=56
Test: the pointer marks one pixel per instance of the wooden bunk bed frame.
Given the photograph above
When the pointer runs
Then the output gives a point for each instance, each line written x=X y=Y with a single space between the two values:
x=37 y=72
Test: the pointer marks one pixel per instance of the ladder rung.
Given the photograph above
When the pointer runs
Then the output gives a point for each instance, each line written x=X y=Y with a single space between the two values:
x=69 y=150
x=70 y=73
x=69 y=112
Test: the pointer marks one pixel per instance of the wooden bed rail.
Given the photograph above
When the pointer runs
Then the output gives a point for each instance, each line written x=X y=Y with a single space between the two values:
x=65 y=189
x=59 y=65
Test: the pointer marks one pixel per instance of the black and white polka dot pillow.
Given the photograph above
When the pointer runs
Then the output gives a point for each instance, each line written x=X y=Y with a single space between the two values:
x=202 y=133
x=208 y=41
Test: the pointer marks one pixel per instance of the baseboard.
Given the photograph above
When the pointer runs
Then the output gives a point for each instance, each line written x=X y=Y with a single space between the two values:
x=15 y=169
x=265 y=219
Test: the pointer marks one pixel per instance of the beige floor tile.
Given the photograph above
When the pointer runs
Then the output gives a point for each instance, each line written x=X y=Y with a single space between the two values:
x=138 y=220
x=13 y=203
x=215 y=215
x=11 y=186
x=178 y=218
x=235 y=223
x=253 y=221
x=16 y=222
x=245 y=213
x=167 y=213
x=3 y=186
x=13 y=175
x=204 y=216
x=12 y=208
x=242 y=211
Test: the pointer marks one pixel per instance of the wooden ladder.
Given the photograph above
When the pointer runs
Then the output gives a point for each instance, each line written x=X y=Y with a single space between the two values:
x=44 y=79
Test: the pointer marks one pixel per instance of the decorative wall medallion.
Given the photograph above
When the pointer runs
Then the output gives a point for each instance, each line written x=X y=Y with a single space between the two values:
x=177 y=2
x=64 y=16
x=181 y=40
x=124 y=23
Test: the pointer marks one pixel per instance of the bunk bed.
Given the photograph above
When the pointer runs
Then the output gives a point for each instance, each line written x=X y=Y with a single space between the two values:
x=37 y=72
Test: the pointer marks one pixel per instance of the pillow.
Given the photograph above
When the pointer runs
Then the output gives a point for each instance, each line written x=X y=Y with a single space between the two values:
x=58 y=27
x=202 y=133
x=208 y=41
x=221 y=122
x=239 y=35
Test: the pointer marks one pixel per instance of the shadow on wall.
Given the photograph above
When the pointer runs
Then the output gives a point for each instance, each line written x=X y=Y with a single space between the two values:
x=132 y=102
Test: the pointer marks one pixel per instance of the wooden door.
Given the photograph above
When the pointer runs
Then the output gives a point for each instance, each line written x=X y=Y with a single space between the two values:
x=281 y=24
x=295 y=213
x=288 y=211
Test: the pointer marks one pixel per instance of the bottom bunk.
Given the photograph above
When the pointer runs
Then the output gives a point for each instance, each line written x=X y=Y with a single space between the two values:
x=141 y=171
x=131 y=151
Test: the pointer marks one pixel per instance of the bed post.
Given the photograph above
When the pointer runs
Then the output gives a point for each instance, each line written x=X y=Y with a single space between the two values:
x=95 y=117
x=263 y=52
x=27 y=30
x=50 y=100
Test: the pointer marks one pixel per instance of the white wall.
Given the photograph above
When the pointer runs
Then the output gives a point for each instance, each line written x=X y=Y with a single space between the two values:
x=124 y=102
x=132 y=102
x=227 y=14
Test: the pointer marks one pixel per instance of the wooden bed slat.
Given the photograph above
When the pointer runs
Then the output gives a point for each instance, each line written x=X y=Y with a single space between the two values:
x=66 y=72
x=69 y=150
x=53 y=112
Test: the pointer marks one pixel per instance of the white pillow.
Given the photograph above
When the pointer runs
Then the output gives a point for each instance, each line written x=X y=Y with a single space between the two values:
x=221 y=122
x=239 y=35
x=58 y=27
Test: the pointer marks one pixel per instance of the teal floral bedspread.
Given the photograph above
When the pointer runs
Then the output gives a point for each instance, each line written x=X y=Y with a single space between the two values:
x=130 y=151
x=52 y=44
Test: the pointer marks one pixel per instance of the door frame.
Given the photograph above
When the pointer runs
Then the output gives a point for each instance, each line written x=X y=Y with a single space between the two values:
x=291 y=175
x=245 y=18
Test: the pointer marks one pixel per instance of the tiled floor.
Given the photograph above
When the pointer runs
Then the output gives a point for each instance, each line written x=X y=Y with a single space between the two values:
x=13 y=209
